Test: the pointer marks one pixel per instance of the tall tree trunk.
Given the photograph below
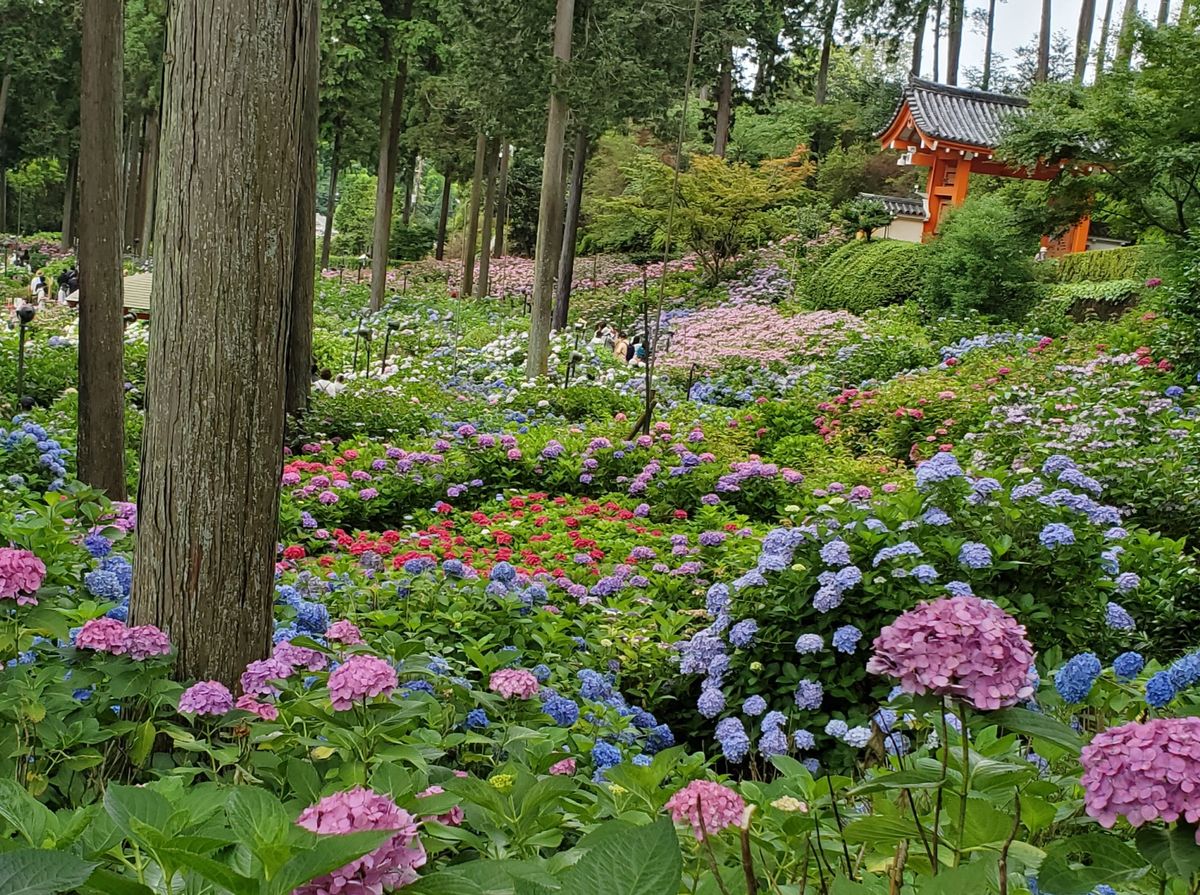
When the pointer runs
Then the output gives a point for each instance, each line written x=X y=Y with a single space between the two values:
x=954 y=41
x=1043 y=58
x=471 y=233
x=149 y=184
x=133 y=165
x=1125 y=42
x=502 y=198
x=209 y=491
x=489 y=210
x=724 y=104
x=1083 y=38
x=5 y=84
x=335 y=161
x=101 y=414
x=1164 y=12
x=298 y=372
x=1105 y=34
x=443 y=218
x=550 y=209
x=919 y=39
x=412 y=179
x=566 y=261
x=827 y=26
x=937 y=39
x=385 y=190
x=68 y=215
x=989 y=41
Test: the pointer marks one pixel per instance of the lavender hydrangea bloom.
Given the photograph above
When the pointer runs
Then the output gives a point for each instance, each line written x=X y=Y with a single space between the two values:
x=940 y=468
x=974 y=555
x=836 y=553
x=742 y=634
x=735 y=744
x=804 y=740
x=925 y=573
x=809 y=695
x=1117 y=618
x=837 y=728
x=1127 y=582
x=711 y=703
x=936 y=516
x=754 y=706
x=858 y=737
x=773 y=742
x=808 y=644
x=1056 y=534
x=905 y=548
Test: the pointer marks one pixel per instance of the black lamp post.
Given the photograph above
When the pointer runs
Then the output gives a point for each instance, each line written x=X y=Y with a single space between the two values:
x=387 y=338
x=362 y=260
x=365 y=335
x=24 y=317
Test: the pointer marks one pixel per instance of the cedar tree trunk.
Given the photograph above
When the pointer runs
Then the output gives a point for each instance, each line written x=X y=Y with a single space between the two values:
x=566 y=261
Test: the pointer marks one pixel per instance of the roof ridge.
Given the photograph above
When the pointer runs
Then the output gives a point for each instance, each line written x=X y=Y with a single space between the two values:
x=915 y=83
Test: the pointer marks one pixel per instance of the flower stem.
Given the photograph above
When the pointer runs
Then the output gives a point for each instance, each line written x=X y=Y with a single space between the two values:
x=966 y=781
x=712 y=857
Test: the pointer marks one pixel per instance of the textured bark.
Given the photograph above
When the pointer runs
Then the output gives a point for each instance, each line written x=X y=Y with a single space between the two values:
x=439 y=251
x=1105 y=33
x=566 y=261
x=5 y=84
x=133 y=165
x=827 y=25
x=68 y=215
x=550 y=208
x=412 y=183
x=1125 y=42
x=1083 y=38
x=1164 y=12
x=919 y=39
x=300 y=332
x=502 y=199
x=331 y=196
x=471 y=233
x=937 y=39
x=101 y=415
x=149 y=184
x=989 y=41
x=724 y=105
x=954 y=40
x=385 y=190
x=489 y=209
x=1043 y=57
x=209 y=492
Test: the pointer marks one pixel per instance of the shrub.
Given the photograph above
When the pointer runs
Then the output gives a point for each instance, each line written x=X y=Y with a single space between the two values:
x=1130 y=262
x=864 y=275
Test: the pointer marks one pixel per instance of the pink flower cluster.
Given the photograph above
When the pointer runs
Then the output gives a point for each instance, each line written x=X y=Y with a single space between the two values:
x=452 y=818
x=392 y=865
x=21 y=574
x=344 y=632
x=709 y=807
x=1144 y=772
x=206 y=698
x=299 y=656
x=564 y=768
x=360 y=678
x=510 y=682
x=258 y=676
x=107 y=635
x=958 y=646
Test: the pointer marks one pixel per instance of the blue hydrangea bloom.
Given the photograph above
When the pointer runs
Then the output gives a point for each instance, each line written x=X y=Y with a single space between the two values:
x=717 y=599
x=1185 y=671
x=905 y=548
x=773 y=742
x=1056 y=534
x=477 y=719
x=735 y=744
x=936 y=516
x=564 y=711
x=1160 y=690
x=97 y=545
x=846 y=638
x=804 y=740
x=1117 y=618
x=542 y=673
x=659 y=737
x=940 y=468
x=754 y=706
x=773 y=719
x=711 y=703
x=925 y=573
x=974 y=555
x=837 y=728
x=1127 y=666
x=1127 y=582
x=807 y=644
x=809 y=695
x=605 y=755
x=836 y=553
x=504 y=573
x=1075 y=679
x=858 y=737
x=642 y=761
x=103 y=585
x=742 y=634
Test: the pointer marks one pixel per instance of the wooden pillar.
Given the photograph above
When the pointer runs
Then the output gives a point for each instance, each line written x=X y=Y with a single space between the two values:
x=962 y=181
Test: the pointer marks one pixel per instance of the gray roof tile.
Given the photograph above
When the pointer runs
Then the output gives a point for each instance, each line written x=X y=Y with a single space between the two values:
x=960 y=114
x=898 y=205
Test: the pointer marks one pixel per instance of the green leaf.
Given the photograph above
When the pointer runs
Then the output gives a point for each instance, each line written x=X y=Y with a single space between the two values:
x=324 y=855
x=256 y=817
x=30 y=871
x=985 y=824
x=141 y=742
x=878 y=830
x=212 y=870
x=1171 y=849
x=134 y=809
x=1038 y=727
x=1109 y=859
x=975 y=878
x=105 y=882
x=27 y=815
x=444 y=883
x=640 y=861
x=304 y=781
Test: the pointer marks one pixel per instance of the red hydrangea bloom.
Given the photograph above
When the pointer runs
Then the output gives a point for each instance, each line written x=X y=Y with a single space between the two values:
x=360 y=678
x=509 y=682
x=299 y=656
x=392 y=865
x=958 y=646
x=452 y=818
x=104 y=635
x=718 y=806
x=344 y=632
x=206 y=698
x=1144 y=772
x=265 y=710
x=21 y=574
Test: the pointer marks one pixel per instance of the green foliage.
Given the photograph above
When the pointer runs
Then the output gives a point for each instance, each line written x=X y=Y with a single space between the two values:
x=863 y=275
x=863 y=216
x=1127 y=263
x=411 y=243
x=355 y=215
x=981 y=260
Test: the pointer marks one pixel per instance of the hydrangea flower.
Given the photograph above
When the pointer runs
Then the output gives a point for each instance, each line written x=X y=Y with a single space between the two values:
x=605 y=755
x=941 y=467
x=477 y=719
x=735 y=744
x=510 y=682
x=836 y=553
x=754 y=706
x=344 y=632
x=925 y=573
x=565 y=712
x=858 y=737
x=957 y=646
x=807 y=644
x=1056 y=534
x=206 y=698
x=804 y=740
x=846 y=638
x=711 y=702
x=1127 y=666
x=1160 y=690
x=360 y=678
x=1127 y=582
x=773 y=742
x=974 y=555
x=742 y=634
x=708 y=807
x=1075 y=679
x=564 y=768
x=837 y=728
x=809 y=695
x=257 y=678
x=1117 y=618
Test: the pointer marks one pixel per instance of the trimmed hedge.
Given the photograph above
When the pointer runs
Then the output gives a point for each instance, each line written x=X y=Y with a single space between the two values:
x=863 y=275
x=1127 y=263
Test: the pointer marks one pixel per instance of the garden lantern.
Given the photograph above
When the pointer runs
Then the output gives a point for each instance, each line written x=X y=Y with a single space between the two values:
x=24 y=317
x=365 y=334
x=387 y=338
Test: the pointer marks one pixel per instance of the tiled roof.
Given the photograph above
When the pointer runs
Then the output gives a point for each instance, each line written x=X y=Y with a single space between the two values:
x=898 y=206
x=960 y=114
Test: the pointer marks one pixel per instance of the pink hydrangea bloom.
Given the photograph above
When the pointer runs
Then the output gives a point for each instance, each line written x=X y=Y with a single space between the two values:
x=452 y=818
x=299 y=656
x=265 y=710
x=256 y=679
x=206 y=698
x=718 y=806
x=344 y=632
x=392 y=865
x=958 y=646
x=21 y=574
x=1144 y=772
x=564 y=768
x=359 y=678
x=145 y=641
x=509 y=682
x=104 y=635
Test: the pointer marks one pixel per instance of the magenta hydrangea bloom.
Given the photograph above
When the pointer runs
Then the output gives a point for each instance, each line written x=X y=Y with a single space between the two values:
x=452 y=818
x=1144 y=772
x=718 y=806
x=957 y=646
x=145 y=641
x=564 y=768
x=21 y=574
x=206 y=698
x=360 y=678
x=104 y=635
x=509 y=682
x=256 y=679
x=344 y=632
x=392 y=865
x=299 y=656
x=265 y=710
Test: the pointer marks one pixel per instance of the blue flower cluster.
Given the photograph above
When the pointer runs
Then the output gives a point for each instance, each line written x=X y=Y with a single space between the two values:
x=1075 y=679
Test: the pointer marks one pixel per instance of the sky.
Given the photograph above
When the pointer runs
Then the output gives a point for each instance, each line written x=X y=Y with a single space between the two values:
x=1018 y=23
